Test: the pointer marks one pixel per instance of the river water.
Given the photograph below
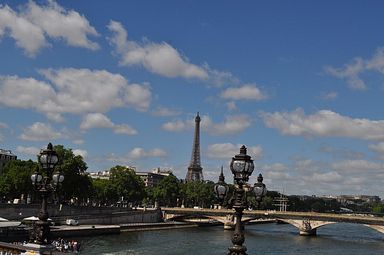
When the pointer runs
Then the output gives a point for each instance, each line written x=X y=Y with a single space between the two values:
x=263 y=239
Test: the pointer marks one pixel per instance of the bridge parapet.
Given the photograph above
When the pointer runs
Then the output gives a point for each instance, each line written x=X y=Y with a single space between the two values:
x=306 y=222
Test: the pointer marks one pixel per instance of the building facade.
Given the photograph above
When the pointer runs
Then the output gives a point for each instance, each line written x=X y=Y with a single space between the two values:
x=5 y=157
x=151 y=179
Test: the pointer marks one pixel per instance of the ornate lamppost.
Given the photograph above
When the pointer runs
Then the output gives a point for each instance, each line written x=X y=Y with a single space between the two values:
x=259 y=189
x=45 y=181
x=221 y=188
x=242 y=167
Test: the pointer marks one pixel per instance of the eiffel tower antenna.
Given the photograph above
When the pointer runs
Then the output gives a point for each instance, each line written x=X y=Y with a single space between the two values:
x=195 y=171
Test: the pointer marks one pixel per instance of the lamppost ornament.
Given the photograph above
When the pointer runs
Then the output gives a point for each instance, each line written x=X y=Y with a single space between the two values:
x=259 y=189
x=221 y=188
x=242 y=167
x=45 y=181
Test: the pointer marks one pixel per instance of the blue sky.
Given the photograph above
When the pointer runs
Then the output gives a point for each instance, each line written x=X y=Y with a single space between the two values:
x=300 y=83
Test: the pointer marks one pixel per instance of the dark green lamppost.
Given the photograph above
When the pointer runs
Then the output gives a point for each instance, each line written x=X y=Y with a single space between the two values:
x=221 y=188
x=45 y=181
x=242 y=167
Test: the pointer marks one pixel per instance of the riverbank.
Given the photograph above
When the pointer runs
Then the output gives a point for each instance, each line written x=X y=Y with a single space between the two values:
x=21 y=234
x=92 y=230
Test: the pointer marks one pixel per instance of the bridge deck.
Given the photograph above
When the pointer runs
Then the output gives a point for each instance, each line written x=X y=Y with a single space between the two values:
x=347 y=218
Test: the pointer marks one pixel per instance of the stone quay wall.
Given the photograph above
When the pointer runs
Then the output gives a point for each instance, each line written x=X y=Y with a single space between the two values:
x=85 y=215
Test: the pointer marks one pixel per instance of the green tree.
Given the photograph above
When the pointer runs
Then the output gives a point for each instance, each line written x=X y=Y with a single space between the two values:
x=77 y=185
x=104 y=192
x=378 y=208
x=197 y=193
x=128 y=185
x=167 y=191
x=16 y=179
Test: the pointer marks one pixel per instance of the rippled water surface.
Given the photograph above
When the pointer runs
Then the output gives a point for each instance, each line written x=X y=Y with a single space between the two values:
x=260 y=239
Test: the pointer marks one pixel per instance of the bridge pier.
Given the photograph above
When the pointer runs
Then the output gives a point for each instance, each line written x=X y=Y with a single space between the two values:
x=229 y=223
x=306 y=228
x=310 y=232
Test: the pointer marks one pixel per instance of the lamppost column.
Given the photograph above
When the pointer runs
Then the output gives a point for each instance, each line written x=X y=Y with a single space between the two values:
x=238 y=236
x=43 y=230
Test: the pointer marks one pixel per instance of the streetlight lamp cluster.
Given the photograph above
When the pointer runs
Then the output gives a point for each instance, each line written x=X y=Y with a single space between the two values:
x=45 y=181
x=242 y=167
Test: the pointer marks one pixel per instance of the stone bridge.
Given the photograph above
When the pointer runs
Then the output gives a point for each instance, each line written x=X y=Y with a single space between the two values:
x=306 y=222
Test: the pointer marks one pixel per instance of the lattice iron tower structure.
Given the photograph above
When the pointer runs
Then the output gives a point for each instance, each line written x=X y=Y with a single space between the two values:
x=195 y=171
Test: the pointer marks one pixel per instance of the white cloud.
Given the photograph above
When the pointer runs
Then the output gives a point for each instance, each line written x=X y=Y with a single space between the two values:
x=165 y=112
x=138 y=153
x=28 y=150
x=327 y=177
x=351 y=72
x=228 y=150
x=163 y=59
x=96 y=120
x=27 y=35
x=25 y=93
x=342 y=152
x=231 y=106
x=378 y=148
x=330 y=95
x=219 y=78
x=324 y=123
x=72 y=90
x=245 y=92
x=308 y=176
x=61 y=24
x=40 y=132
x=138 y=96
x=33 y=23
x=78 y=141
x=360 y=166
x=232 y=125
x=159 y=58
x=79 y=152
x=99 y=120
x=176 y=126
x=2 y=126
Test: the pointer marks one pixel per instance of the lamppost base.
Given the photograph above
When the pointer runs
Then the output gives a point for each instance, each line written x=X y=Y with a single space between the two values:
x=40 y=248
x=237 y=250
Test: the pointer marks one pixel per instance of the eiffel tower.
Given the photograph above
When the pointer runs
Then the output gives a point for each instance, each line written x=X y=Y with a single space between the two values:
x=195 y=171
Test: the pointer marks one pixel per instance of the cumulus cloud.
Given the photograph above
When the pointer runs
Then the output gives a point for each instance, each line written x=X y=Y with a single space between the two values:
x=228 y=150
x=330 y=95
x=99 y=120
x=80 y=152
x=324 y=123
x=324 y=177
x=159 y=58
x=135 y=154
x=138 y=153
x=74 y=91
x=351 y=72
x=165 y=112
x=40 y=132
x=28 y=150
x=2 y=126
x=162 y=58
x=233 y=124
x=378 y=148
x=245 y=92
x=357 y=166
x=33 y=24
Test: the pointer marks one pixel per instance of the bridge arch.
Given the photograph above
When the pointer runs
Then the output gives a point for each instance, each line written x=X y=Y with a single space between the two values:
x=306 y=227
x=189 y=217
